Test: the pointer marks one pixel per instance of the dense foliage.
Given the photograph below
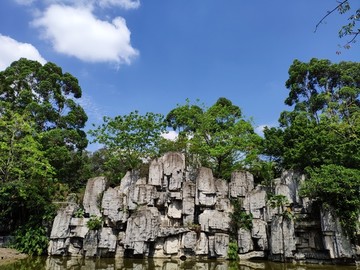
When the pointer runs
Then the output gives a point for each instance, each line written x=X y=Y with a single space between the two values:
x=321 y=135
x=41 y=148
x=218 y=136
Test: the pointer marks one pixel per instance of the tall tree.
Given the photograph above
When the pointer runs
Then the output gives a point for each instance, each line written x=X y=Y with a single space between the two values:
x=48 y=95
x=129 y=140
x=321 y=135
x=219 y=135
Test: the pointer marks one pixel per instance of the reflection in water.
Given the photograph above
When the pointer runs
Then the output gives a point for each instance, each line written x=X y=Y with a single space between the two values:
x=39 y=263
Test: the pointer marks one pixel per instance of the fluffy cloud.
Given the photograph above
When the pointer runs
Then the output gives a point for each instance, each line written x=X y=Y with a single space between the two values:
x=12 y=50
x=75 y=31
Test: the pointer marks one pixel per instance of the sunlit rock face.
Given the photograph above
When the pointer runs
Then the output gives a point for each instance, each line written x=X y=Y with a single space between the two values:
x=179 y=212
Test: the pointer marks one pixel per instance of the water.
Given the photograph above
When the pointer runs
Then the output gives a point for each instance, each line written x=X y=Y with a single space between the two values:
x=39 y=263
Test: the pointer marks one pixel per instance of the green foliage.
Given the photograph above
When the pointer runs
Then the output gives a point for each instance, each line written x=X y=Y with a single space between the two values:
x=31 y=240
x=321 y=135
x=217 y=136
x=129 y=140
x=281 y=203
x=338 y=187
x=233 y=251
x=79 y=213
x=94 y=223
x=239 y=219
x=46 y=96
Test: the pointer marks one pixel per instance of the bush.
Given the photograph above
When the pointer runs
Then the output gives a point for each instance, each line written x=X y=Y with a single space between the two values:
x=94 y=223
x=31 y=240
x=233 y=251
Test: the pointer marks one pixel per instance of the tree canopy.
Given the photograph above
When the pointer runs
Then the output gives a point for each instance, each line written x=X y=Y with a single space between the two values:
x=47 y=96
x=321 y=135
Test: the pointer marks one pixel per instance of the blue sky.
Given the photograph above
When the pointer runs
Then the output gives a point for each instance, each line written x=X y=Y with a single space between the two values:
x=150 y=55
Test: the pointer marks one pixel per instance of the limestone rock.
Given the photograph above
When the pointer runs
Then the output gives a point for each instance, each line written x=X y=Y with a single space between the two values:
x=60 y=228
x=189 y=240
x=156 y=169
x=213 y=221
x=258 y=233
x=202 y=246
x=241 y=183
x=91 y=243
x=245 y=242
x=206 y=190
x=174 y=169
x=171 y=245
x=142 y=226
x=78 y=227
x=113 y=206
x=335 y=241
x=221 y=244
x=282 y=237
x=175 y=209
x=93 y=195
x=255 y=202
x=107 y=240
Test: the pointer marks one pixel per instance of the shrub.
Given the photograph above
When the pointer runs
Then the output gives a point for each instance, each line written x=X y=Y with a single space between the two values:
x=94 y=223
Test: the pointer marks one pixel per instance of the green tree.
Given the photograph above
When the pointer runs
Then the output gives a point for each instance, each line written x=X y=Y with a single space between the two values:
x=321 y=135
x=219 y=135
x=48 y=96
x=129 y=140
x=26 y=176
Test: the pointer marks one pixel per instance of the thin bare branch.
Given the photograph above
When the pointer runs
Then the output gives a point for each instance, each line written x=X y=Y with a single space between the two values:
x=328 y=13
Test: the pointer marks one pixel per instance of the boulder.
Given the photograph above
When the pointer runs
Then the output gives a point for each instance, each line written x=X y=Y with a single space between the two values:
x=213 y=221
x=142 y=226
x=91 y=243
x=107 y=240
x=221 y=244
x=60 y=228
x=202 y=245
x=282 y=238
x=114 y=206
x=156 y=169
x=335 y=241
x=174 y=170
x=189 y=240
x=93 y=195
x=241 y=183
x=171 y=245
x=175 y=209
x=245 y=242
x=205 y=186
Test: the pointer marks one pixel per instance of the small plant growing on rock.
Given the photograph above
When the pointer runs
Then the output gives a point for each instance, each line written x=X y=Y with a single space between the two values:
x=233 y=251
x=94 y=223
x=79 y=213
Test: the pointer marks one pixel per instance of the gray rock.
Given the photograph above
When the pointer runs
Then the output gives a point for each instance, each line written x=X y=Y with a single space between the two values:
x=175 y=209
x=282 y=237
x=107 y=240
x=156 y=172
x=202 y=245
x=335 y=241
x=93 y=195
x=142 y=226
x=255 y=202
x=174 y=169
x=241 y=183
x=213 y=221
x=205 y=186
x=189 y=240
x=113 y=205
x=221 y=244
x=91 y=243
x=78 y=227
x=258 y=233
x=245 y=242
x=171 y=245
x=60 y=228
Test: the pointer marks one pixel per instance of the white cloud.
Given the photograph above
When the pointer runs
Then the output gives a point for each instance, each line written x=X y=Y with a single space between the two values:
x=170 y=135
x=75 y=31
x=12 y=50
x=126 y=4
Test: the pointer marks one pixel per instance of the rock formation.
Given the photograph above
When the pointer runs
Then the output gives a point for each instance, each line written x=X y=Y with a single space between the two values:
x=170 y=214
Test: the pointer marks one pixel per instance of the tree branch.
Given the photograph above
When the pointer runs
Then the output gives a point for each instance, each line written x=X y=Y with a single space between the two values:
x=328 y=13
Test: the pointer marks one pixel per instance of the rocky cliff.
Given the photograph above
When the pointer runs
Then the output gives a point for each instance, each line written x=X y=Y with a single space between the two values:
x=175 y=212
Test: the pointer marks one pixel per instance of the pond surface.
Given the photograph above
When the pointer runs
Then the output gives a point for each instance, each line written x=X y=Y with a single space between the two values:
x=39 y=263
